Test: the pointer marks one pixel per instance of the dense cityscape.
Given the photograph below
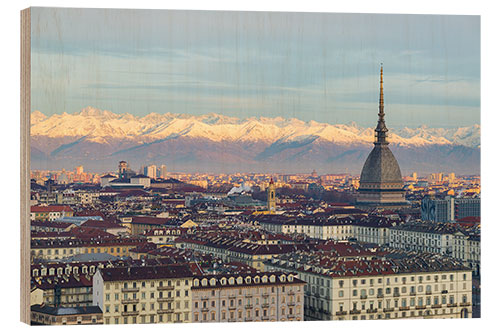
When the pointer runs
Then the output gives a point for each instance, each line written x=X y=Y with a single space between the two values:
x=153 y=246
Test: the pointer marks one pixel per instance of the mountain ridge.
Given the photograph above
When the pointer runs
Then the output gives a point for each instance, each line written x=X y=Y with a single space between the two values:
x=98 y=124
x=218 y=143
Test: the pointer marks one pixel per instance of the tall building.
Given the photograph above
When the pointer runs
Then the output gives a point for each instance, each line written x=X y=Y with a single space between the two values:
x=449 y=209
x=465 y=207
x=438 y=209
x=271 y=197
x=163 y=171
x=79 y=170
x=451 y=177
x=151 y=171
x=381 y=184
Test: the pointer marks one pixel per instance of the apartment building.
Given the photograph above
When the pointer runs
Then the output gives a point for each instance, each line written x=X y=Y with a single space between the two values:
x=247 y=297
x=412 y=287
x=314 y=227
x=65 y=291
x=49 y=213
x=47 y=315
x=369 y=229
x=144 y=294
x=423 y=237
x=60 y=249
x=232 y=249
x=467 y=248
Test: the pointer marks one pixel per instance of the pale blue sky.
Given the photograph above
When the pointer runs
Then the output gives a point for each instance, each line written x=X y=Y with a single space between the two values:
x=312 y=66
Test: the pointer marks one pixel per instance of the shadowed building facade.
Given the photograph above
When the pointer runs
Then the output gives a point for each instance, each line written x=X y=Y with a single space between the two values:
x=381 y=185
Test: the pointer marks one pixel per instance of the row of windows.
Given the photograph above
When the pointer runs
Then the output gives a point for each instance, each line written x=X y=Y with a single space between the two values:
x=135 y=284
x=144 y=295
x=232 y=314
x=176 y=317
x=67 y=271
x=249 y=301
x=412 y=289
x=403 y=279
x=396 y=303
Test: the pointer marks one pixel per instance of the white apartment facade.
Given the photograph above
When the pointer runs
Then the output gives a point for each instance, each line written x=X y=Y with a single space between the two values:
x=155 y=294
x=406 y=237
x=366 y=296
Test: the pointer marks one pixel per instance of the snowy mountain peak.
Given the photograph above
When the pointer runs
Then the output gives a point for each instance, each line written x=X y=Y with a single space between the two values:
x=100 y=125
x=36 y=117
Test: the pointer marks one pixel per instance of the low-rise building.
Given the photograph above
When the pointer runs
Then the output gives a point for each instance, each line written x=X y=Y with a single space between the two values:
x=48 y=315
x=50 y=213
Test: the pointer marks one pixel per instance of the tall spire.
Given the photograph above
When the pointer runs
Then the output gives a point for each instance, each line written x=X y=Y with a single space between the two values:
x=381 y=130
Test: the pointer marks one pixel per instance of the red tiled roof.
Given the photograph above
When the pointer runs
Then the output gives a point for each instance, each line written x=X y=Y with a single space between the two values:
x=145 y=273
x=54 y=208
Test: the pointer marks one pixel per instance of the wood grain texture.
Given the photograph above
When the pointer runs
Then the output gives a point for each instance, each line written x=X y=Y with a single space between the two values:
x=25 y=162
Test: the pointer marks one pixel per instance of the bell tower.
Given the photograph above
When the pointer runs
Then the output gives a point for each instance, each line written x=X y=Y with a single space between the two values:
x=271 y=197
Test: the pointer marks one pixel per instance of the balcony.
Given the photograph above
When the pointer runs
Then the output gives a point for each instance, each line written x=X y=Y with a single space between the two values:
x=372 y=310
x=444 y=291
x=130 y=301
x=231 y=320
x=420 y=307
x=396 y=295
x=380 y=296
x=388 y=309
x=265 y=305
x=265 y=318
x=165 y=288
x=248 y=319
x=130 y=290
x=363 y=297
x=291 y=293
x=465 y=304
x=291 y=303
x=130 y=313
x=428 y=292
x=165 y=299
x=436 y=306
x=163 y=311
x=412 y=293
x=290 y=316
x=249 y=306
x=248 y=296
x=340 y=313
x=204 y=309
x=404 y=308
x=452 y=305
x=232 y=296
x=354 y=312
x=266 y=294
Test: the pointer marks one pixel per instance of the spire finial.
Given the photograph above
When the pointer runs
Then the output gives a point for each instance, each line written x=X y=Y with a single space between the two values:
x=381 y=130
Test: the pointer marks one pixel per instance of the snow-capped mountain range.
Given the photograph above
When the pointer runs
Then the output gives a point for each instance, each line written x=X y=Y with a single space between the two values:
x=98 y=125
x=102 y=136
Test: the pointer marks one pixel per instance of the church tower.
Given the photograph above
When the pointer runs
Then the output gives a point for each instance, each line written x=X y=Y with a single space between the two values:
x=381 y=184
x=271 y=197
